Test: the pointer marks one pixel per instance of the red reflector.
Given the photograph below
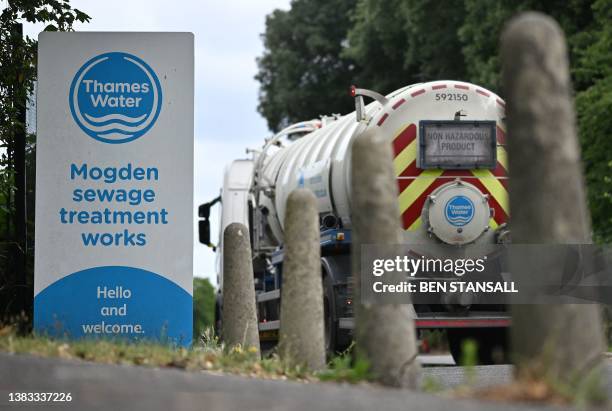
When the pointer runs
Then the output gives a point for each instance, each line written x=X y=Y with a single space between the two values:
x=382 y=119
x=416 y=93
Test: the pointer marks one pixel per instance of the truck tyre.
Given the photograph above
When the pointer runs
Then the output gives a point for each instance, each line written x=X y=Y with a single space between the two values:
x=492 y=345
x=218 y=319
x=329 y=316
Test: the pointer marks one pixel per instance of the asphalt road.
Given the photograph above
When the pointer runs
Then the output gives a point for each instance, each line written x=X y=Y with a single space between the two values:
x=437 y=369
x=116 y=387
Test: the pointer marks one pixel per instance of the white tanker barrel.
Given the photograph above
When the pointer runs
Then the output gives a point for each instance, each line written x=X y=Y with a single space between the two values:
x=320 y=161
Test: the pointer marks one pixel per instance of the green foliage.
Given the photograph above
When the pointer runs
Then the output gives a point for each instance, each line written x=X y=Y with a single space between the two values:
x=584 y=392
x=484 y=21
x=469 y=353
x=377 y=41
x=431 y=385
x=302 y=72
x=343 y=369
x=18 y=56
x=594 y=108
x=595 y=124
x=203 y=306
x=17 y=77
x=437 y=340
x=469 y=360
x=399 y=42
x=58 y=13
x=347 y=367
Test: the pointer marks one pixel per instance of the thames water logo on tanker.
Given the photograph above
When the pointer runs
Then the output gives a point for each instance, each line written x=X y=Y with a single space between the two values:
x=459 y=211
x=115 y=97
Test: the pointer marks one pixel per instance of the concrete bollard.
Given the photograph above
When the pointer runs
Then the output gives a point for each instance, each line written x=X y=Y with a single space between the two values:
x=547 y=194
x=384 y=334
x=239 y=323
x=301 y=331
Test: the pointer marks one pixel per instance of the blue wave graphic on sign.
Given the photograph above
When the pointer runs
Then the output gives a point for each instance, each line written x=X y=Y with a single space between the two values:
x=115 y=302
x=115 y=97
x=459 y=211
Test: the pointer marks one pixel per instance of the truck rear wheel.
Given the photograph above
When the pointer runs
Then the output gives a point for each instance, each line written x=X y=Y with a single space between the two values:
x=330 y=319
x=218 y=327
x=491 y=343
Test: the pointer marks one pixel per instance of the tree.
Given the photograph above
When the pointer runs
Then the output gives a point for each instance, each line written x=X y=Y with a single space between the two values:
x=485 y=19
x=302 y=71
x=594 y=73
x=17 y=77
x=399 y=42
x=378 y=41
x=203 y=306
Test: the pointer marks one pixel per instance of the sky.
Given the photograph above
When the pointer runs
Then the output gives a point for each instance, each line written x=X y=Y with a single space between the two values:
x=227 y=42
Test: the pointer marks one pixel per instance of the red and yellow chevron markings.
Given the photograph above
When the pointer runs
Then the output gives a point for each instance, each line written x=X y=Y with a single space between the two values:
x=416 y=184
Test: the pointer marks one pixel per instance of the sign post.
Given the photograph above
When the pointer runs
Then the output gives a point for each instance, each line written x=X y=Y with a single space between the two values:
x=114 y=186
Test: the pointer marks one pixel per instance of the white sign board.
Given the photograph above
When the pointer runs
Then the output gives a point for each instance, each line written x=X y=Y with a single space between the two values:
x=114 y=186
x=458 y=144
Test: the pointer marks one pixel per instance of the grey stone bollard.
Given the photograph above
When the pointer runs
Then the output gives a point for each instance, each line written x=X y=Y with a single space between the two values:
x=239 y=323
x=547 y=194
x=301 y=340
x=384 y=334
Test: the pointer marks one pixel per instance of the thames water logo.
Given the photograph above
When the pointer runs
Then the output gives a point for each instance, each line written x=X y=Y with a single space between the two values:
x=115 y=97
x=459 y=211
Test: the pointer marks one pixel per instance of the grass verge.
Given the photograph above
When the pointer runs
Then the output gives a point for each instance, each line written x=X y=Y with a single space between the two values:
x=209 y=354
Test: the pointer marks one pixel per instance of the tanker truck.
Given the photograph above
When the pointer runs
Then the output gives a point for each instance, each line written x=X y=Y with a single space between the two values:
x=421 y=122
